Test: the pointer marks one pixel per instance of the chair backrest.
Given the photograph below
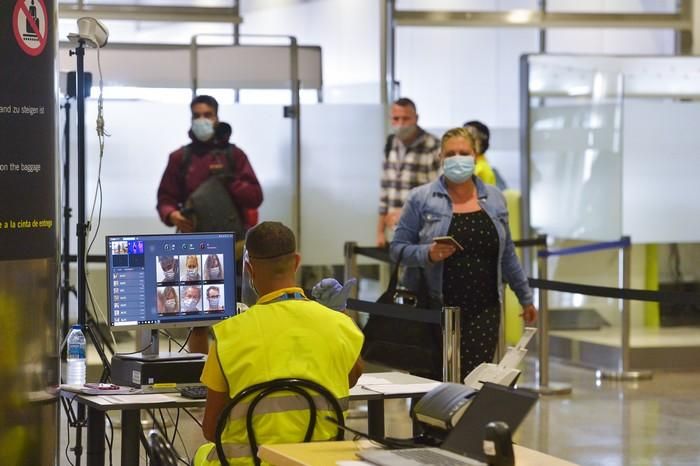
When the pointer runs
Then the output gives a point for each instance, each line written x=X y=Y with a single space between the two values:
x=301 y=387
x=160 y=451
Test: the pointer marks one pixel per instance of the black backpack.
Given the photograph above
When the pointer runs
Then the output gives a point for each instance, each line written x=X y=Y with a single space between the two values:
x=210 y=206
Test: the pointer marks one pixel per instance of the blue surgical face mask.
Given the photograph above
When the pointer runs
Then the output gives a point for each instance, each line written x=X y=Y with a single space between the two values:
x=203 y=129
x=459 y=168
x=189 y=304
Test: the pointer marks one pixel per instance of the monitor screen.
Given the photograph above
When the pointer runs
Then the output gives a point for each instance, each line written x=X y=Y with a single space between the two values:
x=175 y=280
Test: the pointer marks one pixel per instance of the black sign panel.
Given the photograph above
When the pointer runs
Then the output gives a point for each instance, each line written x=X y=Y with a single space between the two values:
x=27 y=129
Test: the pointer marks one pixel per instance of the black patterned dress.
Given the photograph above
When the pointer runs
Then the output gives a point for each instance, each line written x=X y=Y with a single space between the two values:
x=470 y=282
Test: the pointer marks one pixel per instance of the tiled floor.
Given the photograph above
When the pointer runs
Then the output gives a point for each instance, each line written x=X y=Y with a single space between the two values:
x=654 y=422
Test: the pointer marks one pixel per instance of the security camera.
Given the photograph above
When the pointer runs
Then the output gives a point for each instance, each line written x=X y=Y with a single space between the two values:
x=92 y=31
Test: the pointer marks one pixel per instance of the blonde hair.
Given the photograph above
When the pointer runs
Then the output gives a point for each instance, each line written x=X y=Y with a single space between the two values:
x=458 y=132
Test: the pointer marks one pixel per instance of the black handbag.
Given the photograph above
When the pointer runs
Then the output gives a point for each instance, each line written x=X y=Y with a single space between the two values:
x=409 y=345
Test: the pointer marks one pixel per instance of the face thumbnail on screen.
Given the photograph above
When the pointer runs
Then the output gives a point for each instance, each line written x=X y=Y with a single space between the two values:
x=171 y=279
x=201 y=283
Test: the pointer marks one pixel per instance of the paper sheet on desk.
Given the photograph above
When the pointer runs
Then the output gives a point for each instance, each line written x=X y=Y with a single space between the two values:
x=131 y=399
x=398 y=389
x=366 y=379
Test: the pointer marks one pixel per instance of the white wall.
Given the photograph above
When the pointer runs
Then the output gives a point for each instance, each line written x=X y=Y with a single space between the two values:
x=348 y=33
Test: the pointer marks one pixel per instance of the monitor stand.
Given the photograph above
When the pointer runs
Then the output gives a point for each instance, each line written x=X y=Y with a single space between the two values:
x=151 y=353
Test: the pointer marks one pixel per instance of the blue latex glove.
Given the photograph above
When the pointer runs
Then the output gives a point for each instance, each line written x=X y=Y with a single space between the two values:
x=332 y=294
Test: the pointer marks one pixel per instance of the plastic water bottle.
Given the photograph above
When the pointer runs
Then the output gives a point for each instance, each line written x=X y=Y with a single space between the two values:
x=76 y=363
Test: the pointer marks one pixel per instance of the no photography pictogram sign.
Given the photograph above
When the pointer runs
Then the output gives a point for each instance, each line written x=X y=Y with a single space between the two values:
x=29 y=22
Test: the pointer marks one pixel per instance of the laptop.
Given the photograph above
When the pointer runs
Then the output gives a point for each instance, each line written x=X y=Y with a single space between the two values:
x=464 y=443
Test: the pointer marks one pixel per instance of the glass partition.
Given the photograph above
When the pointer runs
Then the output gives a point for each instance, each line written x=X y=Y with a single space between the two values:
x=576 y=159
x=342 y=151
x=142 y=134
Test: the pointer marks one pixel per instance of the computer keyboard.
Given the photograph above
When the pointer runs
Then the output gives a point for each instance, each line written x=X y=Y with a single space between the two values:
x=431 y=457
x=195 y=392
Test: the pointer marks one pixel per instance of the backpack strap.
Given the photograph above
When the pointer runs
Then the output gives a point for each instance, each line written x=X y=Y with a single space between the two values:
x=229 y=158
x=186 y=161
x=387 y=147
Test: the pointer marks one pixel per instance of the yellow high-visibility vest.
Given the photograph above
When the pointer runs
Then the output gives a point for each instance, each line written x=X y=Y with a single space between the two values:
x=284 y=335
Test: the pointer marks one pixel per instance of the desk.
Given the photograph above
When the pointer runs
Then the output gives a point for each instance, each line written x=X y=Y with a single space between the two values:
x=328 y=453
x=131 y=405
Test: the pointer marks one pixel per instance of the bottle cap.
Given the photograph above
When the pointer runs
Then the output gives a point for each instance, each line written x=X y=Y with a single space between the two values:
x=76 y=326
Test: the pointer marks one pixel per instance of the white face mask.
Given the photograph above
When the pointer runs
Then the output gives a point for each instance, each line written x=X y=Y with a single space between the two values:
x=404 y=132
x=214 y=272
x=170 y=304
x=189 y=304
x=192 y=273
x=214 y=302
x=203 y=129
x=169 y=274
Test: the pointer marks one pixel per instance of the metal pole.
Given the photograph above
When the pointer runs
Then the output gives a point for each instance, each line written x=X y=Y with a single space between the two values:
x=624 y=262
x=525 y=151
x=543 y=386
x=542 y=31
x=295 y=115
x=65 y=290
x=624 y=372
x=383 y=51
x=451 y=342
x=501 y=348
x=81 y=228
x=237 y=41
x=391 y=49
x=193 y=65
x=543 y=324
x=350 y=269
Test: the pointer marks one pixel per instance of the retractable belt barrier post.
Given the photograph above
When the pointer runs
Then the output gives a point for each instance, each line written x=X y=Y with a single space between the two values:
x=451 y=342
x=542 y=385
x=350 y=267
x=624 y=372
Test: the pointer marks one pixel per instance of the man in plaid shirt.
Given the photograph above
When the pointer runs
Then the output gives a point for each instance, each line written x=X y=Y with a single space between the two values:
x=411 y=158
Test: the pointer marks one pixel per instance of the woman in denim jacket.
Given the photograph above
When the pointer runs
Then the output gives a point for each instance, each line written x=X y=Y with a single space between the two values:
x=470 y=275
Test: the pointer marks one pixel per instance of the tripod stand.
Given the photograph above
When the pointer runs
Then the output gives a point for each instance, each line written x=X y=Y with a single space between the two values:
x=79 y=421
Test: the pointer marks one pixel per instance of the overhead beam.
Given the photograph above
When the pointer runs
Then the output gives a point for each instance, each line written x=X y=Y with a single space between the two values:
x=151 y=13
x=538 y=19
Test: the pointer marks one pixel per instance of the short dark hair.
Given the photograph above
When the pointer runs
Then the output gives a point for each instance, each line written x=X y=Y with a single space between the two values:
x=206 y=99
x=405 y=102
x=481 y=133
x=269 y=240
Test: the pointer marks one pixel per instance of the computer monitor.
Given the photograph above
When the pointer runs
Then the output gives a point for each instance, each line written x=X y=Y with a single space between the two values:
x=171 y=280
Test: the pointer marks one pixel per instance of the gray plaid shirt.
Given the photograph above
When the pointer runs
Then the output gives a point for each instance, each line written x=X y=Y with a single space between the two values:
x=407 y=167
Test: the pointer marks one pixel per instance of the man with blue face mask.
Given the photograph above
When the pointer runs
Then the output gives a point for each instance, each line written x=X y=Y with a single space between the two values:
x=209 y=160
x=411 y=158
x=210 y=153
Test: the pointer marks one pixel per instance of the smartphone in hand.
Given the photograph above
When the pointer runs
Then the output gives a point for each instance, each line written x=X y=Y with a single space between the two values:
x=448 y=240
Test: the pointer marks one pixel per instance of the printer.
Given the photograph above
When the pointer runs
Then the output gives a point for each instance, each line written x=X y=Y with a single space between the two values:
x=506 y=372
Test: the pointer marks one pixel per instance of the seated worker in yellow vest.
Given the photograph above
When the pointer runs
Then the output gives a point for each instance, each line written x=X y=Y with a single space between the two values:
x=283 y=335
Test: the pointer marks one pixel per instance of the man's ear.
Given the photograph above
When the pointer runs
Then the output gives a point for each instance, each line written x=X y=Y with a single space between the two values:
x=297 y=261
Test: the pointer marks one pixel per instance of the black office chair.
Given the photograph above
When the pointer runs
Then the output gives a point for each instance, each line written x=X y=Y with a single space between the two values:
x=159 y=450
x=259 y=391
